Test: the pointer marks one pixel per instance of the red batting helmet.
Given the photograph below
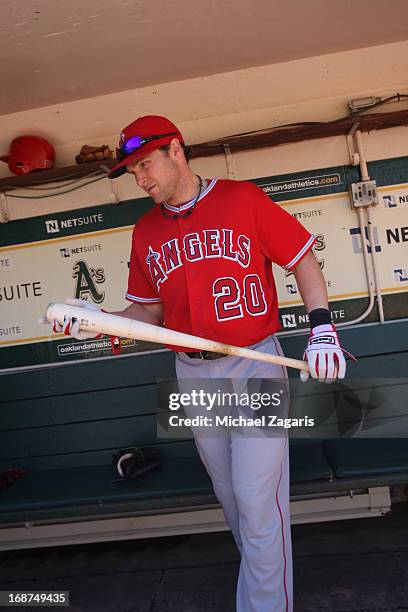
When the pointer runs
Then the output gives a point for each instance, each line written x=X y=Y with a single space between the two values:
x=29 y=153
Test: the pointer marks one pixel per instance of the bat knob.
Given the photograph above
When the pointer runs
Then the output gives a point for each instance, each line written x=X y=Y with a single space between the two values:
x=48 y=317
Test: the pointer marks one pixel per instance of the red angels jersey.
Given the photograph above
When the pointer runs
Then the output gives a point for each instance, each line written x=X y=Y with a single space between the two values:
x=212 y=269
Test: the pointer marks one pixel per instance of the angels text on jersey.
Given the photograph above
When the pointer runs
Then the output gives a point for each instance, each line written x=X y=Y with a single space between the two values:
x=195 y=246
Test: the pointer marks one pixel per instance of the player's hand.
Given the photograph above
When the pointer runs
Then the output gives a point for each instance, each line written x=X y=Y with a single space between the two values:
x=324 y=355
x=70 y=327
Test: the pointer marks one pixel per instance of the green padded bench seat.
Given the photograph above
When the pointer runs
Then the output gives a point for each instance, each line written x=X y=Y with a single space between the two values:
x=93 y=489
x=308 y=461
x=361 y=457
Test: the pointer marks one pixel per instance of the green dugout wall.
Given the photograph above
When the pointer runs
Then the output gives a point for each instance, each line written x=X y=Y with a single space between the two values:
x=67 y=406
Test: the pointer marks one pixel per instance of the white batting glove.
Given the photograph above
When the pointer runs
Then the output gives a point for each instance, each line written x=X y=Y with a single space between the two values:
x=70 y=327
x=324 y=355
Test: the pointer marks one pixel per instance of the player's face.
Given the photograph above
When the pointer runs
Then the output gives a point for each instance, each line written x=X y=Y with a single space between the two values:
x=157 y=174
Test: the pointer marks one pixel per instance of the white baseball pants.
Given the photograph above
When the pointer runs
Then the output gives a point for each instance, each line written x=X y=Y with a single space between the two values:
x=250 y=477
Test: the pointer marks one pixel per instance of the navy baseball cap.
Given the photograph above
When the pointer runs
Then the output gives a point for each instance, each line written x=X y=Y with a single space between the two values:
x=140 y=138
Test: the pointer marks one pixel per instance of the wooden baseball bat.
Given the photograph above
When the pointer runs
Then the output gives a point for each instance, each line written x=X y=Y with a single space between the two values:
x=114 y=325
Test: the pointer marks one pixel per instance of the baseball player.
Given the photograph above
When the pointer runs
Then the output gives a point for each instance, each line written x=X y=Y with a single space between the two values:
x=201 y=264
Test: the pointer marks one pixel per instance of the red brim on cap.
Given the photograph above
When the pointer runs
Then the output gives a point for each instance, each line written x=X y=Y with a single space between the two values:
x=144 y=150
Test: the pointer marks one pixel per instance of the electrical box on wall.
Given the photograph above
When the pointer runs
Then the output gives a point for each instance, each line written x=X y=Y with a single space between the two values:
x=364 y=194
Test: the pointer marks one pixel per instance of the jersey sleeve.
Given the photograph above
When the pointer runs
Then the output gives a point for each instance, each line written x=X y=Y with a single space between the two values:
x=283 y=238
x=140 y=285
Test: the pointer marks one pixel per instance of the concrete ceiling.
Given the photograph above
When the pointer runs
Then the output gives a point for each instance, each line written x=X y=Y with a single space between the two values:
x=54 y=51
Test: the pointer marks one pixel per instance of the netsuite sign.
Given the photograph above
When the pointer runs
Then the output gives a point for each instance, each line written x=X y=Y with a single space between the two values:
x=53 y=226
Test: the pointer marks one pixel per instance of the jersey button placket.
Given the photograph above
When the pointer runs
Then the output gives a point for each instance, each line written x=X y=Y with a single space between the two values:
x=191 y=276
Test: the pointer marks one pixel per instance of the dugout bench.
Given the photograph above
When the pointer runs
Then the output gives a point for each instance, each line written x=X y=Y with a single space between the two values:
x=64 y=423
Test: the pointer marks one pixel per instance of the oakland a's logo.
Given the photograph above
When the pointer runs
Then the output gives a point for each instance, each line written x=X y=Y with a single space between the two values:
x=86 y=281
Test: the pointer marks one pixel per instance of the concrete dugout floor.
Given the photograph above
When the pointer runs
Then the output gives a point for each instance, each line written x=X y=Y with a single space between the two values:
x=345 y=566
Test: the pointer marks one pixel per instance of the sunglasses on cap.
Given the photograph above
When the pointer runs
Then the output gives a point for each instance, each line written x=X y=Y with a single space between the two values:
x=135 y=142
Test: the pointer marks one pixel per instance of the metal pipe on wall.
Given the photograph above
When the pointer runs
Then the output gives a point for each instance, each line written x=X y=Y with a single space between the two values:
x=370 y=284
x=373 y=284
x=365 y=177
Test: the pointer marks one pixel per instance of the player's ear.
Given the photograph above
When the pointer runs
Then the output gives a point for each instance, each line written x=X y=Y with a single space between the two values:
x=175 y=149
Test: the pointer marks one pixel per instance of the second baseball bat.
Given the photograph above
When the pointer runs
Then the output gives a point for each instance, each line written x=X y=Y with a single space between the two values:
x=114 y=325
